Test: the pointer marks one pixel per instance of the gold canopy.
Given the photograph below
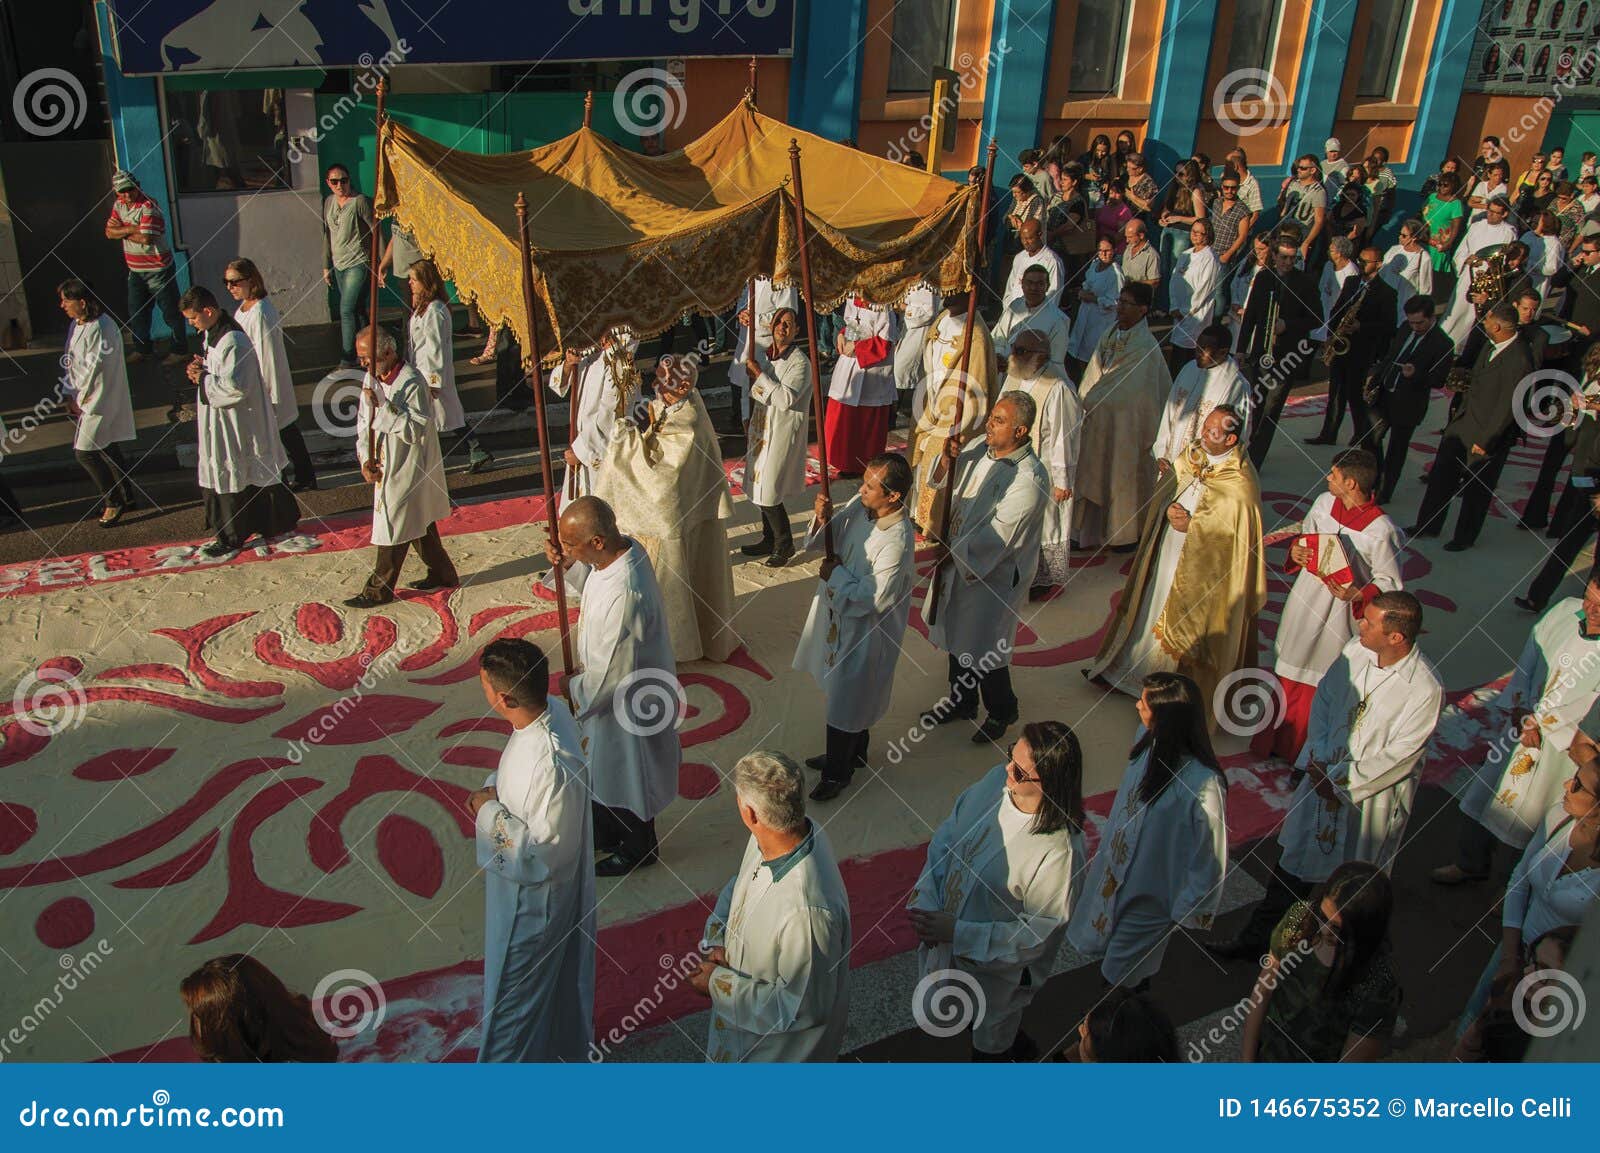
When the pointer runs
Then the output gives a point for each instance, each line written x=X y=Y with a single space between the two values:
x=624 y=239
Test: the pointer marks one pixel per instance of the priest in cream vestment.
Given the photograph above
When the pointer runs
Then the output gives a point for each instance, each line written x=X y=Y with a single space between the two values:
x=1056 y=440
x=943 y=382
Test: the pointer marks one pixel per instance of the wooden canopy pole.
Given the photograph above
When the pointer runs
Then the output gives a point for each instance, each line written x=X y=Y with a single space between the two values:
x=750 y=290
x=588 y=109
x=818 y=398
x=377 y=254
x=546 y=475
x=953 y=445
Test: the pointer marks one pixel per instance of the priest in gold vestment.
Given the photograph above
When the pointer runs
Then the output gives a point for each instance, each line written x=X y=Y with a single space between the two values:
x=936 y=417
x=1198 y=581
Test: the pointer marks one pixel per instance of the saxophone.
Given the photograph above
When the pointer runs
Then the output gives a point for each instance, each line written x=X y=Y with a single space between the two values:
x=1339 y=340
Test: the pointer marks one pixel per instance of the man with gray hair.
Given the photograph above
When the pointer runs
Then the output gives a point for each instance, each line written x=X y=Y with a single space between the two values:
x=777 y=946
x=984 y=569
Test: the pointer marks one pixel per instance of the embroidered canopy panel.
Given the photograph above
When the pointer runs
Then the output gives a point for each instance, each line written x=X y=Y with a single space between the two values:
x=618 y=238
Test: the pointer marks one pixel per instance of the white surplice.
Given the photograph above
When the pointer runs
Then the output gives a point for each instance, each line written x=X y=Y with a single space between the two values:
x=433 y=355
x=1409 y=274
x=237 y=432
x=1544 y=261
x=1011 y=892
x=594 y=414
x=1024 y=260
x=1557 y=678
x=1370 y=728
x=768 y=301
x=852 y=636
x=412 y=494
x=1195 y=392
x=995 y=526
x=864 y=387
x=99 y=379
x=1193 y=286
x=625 y=695
x=1480 y=234
x=1048 y=320
x=784 y=994
x=775 y=461
x=1057 y=430
x=264 y=327
x=536 y=849
x=916 y=319
x=1159 y=867
x=1316 y=625
x=1095 y=316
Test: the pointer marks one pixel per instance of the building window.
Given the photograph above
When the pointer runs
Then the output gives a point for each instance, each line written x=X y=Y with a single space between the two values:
x=1252 y=44
x=1387 y=23
x=919 y=40
x=1097 y=39
x=228 y=140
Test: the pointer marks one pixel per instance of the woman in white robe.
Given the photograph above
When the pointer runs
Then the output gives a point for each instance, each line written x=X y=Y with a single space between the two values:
x=433 y=354
x=1193 y=287
x=916 y=318
x=1097 y=304
x=1544 y=253
x=775 y=456
x=1407 y=267
x=1164 y=846
x=1003 y=874
x=100 y=400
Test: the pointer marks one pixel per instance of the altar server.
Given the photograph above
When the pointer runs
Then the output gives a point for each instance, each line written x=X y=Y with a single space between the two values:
x=1056 y=442
x=861 y=393
x=598 y=387
x=775 y=456
x=768 y=301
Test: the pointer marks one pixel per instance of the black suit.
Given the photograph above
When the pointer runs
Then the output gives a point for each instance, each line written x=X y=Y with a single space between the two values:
x=1374 y=302
x=1573 y=524
x=1486 y=420
x=1297 y=300
x=1402 y=402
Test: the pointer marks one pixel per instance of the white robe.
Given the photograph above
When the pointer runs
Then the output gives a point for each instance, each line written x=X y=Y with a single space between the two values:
x=626 y=697
x=864 y=387
x=236 y=429
x=1329 y=285
x=1158 y=866
x=853 y=633
x=536 y=848
x=1480 y=234
x=1025 y=260
x=995 y=527
x=595 y=415
x=916 y=319
x=768 y=301
x=1011 y=892
x=1409 y=274
x=1373 y=765
x=775 y=462
x=1095 y=317
x=99 y=379
x=1047 y=319
x=412 y=494
x=1195 y=279
x=784 y=994
x=1195 y=392
x=1316 y=625
x=1057 y=430
x=1557 y=678
x=433 y=355
x=1238 y=297
x=264 y=327
x=1544 y=261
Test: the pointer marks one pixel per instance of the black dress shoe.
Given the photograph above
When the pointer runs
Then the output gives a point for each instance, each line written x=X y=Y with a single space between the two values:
x=828 y=788
x=992 y=729
x=779 y=559
x=1320 y=439
x=944 y=713
x=1527 y=605
x=1457 y=546
x=1417 y=532
x=216 y=548
x=363 y=601
x=1235 y=949
x=428 y=584
x=818 y=762
x=620 y=864
x=303 y=486
x=760 y=548
x=1532 y=525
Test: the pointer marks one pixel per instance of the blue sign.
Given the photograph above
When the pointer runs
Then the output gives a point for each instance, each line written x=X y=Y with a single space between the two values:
x=156 y=36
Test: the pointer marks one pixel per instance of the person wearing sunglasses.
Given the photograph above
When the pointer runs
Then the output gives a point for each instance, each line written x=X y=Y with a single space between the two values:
x=1328 y=990
x=1164 y=846
x=261 y=322
x=347 y=224
x=1003 y=874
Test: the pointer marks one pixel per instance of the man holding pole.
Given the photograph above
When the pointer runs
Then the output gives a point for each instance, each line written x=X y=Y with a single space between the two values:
x=775 y=459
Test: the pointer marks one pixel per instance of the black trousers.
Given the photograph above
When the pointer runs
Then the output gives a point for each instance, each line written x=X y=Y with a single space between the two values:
x=1345 y=381
x=1573 y=526
x=511 y=389
x=1283 y=890
x=1391 y=443
x=620 y=831
x=1178 y=357
x=9 y=504
x=775 y=528
x=392 y=557
x=845 y=752
x=1273 y=389
x=968 y=685
x=1536 y=514
x=1475 y=848
x=1456 y=472
x=110 y=475
x=299 y=459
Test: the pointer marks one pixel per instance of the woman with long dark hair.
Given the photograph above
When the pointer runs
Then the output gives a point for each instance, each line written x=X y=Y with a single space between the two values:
x=1100 y=167
x=240 y=1011
x=100 y=402
x=259 y=318
x=1003 y=873
x=1164 y=846
x=1327 y=991
x=433 y=355
x=1183 y=204
x=1124 y=1026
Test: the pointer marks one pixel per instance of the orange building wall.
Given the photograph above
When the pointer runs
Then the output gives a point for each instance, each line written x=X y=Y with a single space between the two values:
x=712 y=87
x=896 y=120
x=1268 y=124
x=1365 y=123
x=1082 y=119
x=1483 y=115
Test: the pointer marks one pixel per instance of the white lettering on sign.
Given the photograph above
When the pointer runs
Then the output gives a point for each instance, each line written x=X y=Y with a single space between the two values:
x=685 y=13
